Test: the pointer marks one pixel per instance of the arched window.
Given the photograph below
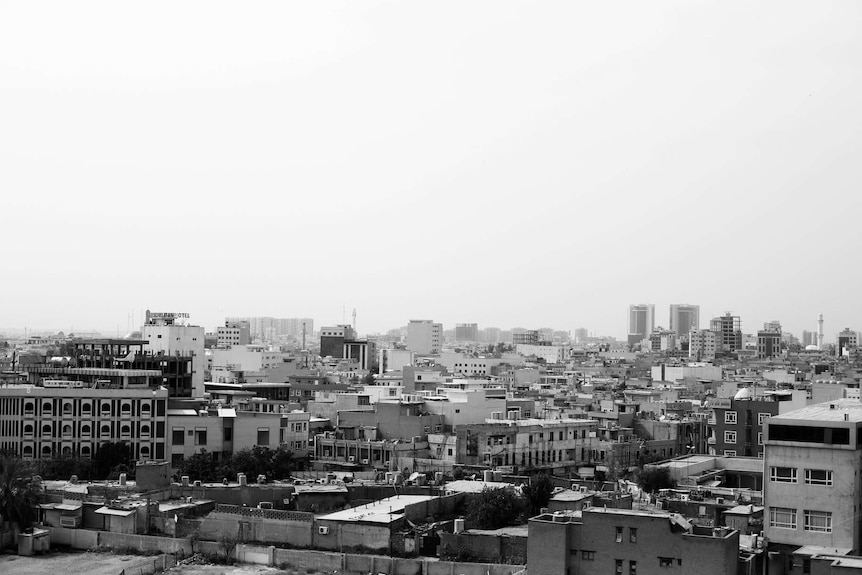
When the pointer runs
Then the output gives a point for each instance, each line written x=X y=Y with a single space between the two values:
x=106 y=431
x=145 y=430
x=145 y=452
x=46 y=451
x=67 y=409
x=106 y=408
x=67 y=451
x=85 y=451
x=28 y=451
x=126 y=409
x=28 y=408
x=67 y=430
x=125 y=430
x=47 y=407
x=145 y=409
x=85 y=430
x=46 y=430
x=28 y=429
x=86 y=409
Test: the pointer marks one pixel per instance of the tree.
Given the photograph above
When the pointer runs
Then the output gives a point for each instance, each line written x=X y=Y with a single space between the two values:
x=18 y=493
x=200 y=466
x=651 y=479
x=494 y=508
x=538 y=493
x=111 y=458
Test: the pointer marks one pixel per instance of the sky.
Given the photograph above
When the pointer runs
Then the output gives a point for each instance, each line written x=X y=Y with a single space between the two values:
x=504 y=163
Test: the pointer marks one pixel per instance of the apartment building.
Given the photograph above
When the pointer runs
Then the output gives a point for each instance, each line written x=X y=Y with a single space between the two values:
x=424 y=337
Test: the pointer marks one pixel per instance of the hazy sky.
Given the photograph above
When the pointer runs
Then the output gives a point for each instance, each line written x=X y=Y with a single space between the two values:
x=505 y=163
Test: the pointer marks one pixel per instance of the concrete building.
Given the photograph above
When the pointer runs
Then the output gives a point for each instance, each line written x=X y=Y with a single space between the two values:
x=728 y=331
x=241 y=357
x=466 y=332
x=361 y=351
x=41 y=422
x=768 y=344
x=233 y=333
x=605 y=541
x=332 y=340
x=424 y=337
x=662 y=340
x=641 y=322
x=684 y=319
x=703 y=345
x=846 y=340
x=813 y=468
x=548 y=353
x=166 y=334
x=394 y=359
x=526 y=337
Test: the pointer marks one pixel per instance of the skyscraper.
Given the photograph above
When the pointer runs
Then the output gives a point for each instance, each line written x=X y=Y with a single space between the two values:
x=641 y=322
x=684 y=318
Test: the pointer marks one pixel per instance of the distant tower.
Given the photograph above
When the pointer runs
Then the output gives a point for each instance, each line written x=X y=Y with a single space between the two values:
x=354 y=320
x=820 y=331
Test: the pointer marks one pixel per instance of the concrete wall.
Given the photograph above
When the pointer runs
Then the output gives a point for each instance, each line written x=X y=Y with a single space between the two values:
x=352 y=563
x=260 y=525
x=485 y=547
x=86 y=539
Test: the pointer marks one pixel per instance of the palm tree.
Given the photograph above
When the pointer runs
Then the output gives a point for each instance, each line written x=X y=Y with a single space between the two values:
x=18 y=494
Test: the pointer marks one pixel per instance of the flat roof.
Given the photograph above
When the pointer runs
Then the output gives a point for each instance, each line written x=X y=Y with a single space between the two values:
x=382 y=511
x=834 y=410
x=467 y=486
x=119 y=512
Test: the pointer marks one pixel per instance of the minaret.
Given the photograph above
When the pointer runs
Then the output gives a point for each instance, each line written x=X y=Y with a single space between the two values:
x=820 y=331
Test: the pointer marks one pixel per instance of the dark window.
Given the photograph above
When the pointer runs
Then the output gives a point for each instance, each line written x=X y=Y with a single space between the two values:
x=619 y=536
x=633 y=568
x=262 y=437
x=633 y=534
x=618 y=566
x=200 y=436
x=588 y=555
x=179 y=437
x=228 y=433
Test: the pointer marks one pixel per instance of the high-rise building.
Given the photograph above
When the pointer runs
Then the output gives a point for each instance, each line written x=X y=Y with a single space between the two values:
x=491 y=335
x=728 y=328
x=466 y=332
x=846 y=339
x=581 y=335
x=641 y=322
x=167 y=333
x=684 y=318
x=809 y=338
x=424 y=336
x=768 y=344
x=233 y=333
x=332 y=340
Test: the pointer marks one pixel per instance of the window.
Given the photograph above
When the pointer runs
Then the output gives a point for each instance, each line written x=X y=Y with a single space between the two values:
x=145 y=431
x=782 y=517
x=200 y=436
x=665 y=561
x=730 y=417
x=228 y=433
x=818 y=477
x=105 y=431
x=633 y=568
x=145 y=452
x=46 y=408
x=633 y=534
x=262 y=436
x=588 y=555
x=782 y=474
x=759 y=438
x=618 y=563
x=619 y=536
x=28 y=409
x=145 y=409
x=86 y=409
x=126 y=409
x=28 y=429
x=730 y=453
x=761 y=417
x=85 y=430
x=67 y=409
x=178 y=436
x=730 y=437
x=85 y=451
x=817 y=521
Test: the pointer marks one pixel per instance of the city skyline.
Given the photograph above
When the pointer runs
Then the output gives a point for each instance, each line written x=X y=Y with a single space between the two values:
x=293 y=159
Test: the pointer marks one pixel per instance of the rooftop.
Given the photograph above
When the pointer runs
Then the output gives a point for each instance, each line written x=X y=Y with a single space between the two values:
x=382 y=511
x=835 y=410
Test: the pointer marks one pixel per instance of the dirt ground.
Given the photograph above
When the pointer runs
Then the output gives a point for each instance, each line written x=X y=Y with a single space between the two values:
x=65 y=563
x=231 y=570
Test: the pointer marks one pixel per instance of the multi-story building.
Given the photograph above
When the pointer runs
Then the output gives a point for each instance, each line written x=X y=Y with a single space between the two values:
x=703 y=344
x=466 y=332
x=736 y=426
x=394 y=359
x=492 y=335
x=581 y=335
x=727 y=327
x=662 y=340
x=846 y=340
x=641 y=322
x=526 y=337
x=684 y=319
x=813 y=477
x=623 y=541
x=362 y=351
x=768 y=344
x=68 y=421
x=809 y=338
x=166 y=335
x=424 y=337
x=332 y=340
x=233 y=333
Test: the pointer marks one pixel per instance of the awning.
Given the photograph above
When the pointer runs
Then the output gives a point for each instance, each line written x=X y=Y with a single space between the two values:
x=119 y=512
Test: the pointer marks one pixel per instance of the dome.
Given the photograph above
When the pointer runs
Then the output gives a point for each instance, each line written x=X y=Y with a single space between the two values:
x=743 y=393
x=133 y=335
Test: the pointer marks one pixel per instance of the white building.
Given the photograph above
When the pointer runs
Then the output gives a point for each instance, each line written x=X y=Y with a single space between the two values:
x=394 y=359
x=246 y=358
x=550 y=353
x=702 y=344
x=165 y=334
x=424 y=336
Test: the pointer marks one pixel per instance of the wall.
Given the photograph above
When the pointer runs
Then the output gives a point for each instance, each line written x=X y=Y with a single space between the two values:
x=351 y=563
x=484 y=547
x=262 y=525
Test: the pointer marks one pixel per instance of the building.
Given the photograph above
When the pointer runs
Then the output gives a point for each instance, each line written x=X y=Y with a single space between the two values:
x=641 y=322
x=166 y=334
x=526 y=337
x=813 y=468
x=233 y=333
x=362 y=351
x=728 y=330
x=466 y=332
x=768 y=344
x=424 y=337
x=662 y=340
x=845 y=341
x=394 y=360
x=268 y=328
x=605 y=541
x=332 y=340
x=45 y=422
x=703 y=345
x=581 y=335
x=809 y=338
x=684 y=319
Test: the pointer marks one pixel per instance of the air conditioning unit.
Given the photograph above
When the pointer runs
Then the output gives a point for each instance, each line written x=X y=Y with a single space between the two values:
x=719 y=500
x=351 y=459
x=323 y=530
x=72 y=521
x=365 y=462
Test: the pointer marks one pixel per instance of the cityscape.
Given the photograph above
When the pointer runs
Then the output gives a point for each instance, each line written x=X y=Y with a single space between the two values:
x=705 y=446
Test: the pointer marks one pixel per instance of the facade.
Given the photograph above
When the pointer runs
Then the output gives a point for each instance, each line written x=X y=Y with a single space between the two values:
x=267 y=328
x=233 y=333
x=768 y=344
x=729 y=334
x=846 y=340
x=424 y=337
x=641 y=322
x=362 y=351
x=332 y=340
x=526 y=337
x=466 y=332
x=41 y=422
x=684 y=319
x=394 y=359
x=813 y=476
x=703 y=345
x=165 y=335
x=604 y=541
x=241 y=357
x=662 y=340
x=737 y=426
